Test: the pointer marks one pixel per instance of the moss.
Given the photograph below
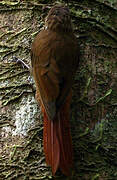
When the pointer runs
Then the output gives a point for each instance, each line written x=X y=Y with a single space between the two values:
x=94 y=103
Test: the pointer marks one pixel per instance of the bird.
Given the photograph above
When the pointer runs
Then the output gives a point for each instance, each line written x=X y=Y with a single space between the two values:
x=54 y=60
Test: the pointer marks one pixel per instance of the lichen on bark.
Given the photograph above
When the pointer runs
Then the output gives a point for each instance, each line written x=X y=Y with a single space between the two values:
x=94 y=103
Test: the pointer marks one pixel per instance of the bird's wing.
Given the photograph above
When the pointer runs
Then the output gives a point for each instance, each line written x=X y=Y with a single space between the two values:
x=53 y=68
x=45 y=72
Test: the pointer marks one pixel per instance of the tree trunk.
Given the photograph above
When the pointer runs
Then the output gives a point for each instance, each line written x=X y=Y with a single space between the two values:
x=94 y=104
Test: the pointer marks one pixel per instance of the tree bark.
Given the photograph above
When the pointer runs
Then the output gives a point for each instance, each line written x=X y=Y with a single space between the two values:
x=94 y=104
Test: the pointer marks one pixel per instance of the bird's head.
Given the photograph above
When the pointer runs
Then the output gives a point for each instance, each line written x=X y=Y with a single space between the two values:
x=58 y=19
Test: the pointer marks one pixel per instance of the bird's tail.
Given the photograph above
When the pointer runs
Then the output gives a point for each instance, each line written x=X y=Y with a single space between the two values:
x=57 y=141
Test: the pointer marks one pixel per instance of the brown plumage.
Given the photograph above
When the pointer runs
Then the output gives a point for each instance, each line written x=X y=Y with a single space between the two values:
x=54 y=58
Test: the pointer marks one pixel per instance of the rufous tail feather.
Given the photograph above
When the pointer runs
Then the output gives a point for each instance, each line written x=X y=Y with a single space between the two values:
x=57 y=141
